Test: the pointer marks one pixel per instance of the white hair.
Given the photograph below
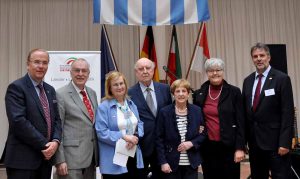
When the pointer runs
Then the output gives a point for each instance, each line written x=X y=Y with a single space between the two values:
x=214 y=62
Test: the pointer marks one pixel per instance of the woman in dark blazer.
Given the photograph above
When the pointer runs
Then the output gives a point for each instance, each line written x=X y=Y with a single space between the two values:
x=180 y=133
x=224 y=118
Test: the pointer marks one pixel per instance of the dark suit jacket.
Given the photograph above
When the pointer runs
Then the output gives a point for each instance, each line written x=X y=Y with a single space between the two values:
x=27 y=134
x=231 y=113
x=168 y=137
x=271 y=125
x=163 y=98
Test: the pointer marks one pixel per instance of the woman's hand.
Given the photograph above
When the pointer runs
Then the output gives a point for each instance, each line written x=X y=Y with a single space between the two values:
x=239 y=155
x=131 y=139
x=184 y=146
x=166 y=168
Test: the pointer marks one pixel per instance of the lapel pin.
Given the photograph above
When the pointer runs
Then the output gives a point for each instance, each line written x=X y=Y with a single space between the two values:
x=270 y=78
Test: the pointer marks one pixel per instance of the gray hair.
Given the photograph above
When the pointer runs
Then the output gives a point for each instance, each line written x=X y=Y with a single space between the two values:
x=260 y=46
x=83 y=60
x=136 y=63
x=214 y=62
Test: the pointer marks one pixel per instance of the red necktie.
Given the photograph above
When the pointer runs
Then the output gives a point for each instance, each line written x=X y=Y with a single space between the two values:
x=44 y=102
x=257 y=93
x=87 y=104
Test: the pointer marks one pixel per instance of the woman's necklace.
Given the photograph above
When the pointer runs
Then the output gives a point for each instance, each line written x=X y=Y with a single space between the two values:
x=216 y=96
x=181 y=111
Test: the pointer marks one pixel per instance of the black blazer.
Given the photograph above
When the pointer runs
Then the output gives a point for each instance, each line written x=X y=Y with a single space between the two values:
x=168 y=137
x=271 y=125
x=231 y=113
x=27 y=134
x=163 y=98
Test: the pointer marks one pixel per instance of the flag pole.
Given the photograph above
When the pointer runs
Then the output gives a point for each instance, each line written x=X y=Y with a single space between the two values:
x=111 y=50
x=191 y=61
x=173 y=27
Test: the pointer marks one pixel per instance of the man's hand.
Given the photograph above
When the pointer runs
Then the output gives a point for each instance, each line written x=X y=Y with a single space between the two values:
x=50 y=150
x=166 y=168
x=239 y=155
x=282 y=151
x=62 y=169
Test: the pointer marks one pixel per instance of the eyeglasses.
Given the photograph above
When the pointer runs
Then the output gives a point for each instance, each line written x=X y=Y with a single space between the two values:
x=211 y=71
x=39 y=62
x=78 y=70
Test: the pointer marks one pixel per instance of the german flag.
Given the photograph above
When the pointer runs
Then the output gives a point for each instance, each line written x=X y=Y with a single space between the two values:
x=148 y=51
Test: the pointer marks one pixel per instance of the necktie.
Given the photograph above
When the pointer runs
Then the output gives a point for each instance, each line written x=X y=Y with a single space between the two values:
x=257 y=93
x=44 y=102
x=87 y=104
x=150 y=101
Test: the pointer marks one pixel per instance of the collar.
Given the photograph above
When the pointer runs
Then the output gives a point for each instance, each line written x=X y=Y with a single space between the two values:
x=113 y=102
x=265 y=73
x=34 y=82
x=77 y=89
x=143 y=87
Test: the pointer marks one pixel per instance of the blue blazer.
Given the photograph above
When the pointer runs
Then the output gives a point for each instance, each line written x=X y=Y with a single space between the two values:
x=108 y=134
x=163 y=98
x=168 y=137
x=27 y=134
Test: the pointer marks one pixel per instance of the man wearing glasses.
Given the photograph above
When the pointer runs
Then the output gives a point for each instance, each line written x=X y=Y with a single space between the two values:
x=34 y=123
x=77 y=157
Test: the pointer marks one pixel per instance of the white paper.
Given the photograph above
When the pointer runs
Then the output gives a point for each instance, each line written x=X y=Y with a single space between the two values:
x=269 y=92
x=121 y=148
x=120 y=159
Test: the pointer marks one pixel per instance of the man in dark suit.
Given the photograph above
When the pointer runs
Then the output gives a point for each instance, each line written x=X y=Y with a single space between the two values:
x=161 y=96
x=34 y=123
x=268 y=102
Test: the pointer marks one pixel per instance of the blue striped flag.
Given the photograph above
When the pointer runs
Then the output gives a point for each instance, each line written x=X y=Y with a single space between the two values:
x=150 y=12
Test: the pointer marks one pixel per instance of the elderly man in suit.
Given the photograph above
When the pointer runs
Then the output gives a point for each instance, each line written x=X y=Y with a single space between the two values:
x=77 y=157
x=149 y=97
x=34 y=123
x=268 y=102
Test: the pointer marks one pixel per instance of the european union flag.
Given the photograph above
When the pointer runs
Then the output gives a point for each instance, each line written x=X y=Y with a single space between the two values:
x=107 y=59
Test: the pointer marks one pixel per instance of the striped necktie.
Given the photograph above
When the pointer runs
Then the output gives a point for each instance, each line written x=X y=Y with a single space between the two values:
x=45 y=105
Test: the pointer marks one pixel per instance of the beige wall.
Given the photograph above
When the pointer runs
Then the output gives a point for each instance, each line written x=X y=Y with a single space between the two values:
x=235 y=25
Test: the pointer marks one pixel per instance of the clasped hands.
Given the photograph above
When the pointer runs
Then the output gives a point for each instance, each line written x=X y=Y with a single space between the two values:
x=184 y=146
x=131 y=141
x=50 y=150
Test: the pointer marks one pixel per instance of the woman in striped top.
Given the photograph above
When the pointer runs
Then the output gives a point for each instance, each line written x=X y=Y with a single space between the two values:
x=180 y=132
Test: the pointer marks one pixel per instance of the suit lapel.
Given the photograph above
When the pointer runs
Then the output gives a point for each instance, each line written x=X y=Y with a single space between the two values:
x=224 y=93
x=34 y=95
x=93 y=99
x=158 y=95
x=266 y=86
x=77 y=100
x=249 y=88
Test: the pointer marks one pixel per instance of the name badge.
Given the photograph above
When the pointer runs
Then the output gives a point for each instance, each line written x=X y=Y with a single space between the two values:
x=127 y=114
x=269 y=92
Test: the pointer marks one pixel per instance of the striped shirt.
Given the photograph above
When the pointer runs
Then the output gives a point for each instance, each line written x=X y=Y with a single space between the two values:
x=182 y=128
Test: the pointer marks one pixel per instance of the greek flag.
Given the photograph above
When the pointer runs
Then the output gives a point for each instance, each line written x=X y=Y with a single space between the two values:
x=150 y=12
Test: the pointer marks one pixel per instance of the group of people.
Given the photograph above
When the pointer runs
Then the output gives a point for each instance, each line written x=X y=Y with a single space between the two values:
x=139 y=133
